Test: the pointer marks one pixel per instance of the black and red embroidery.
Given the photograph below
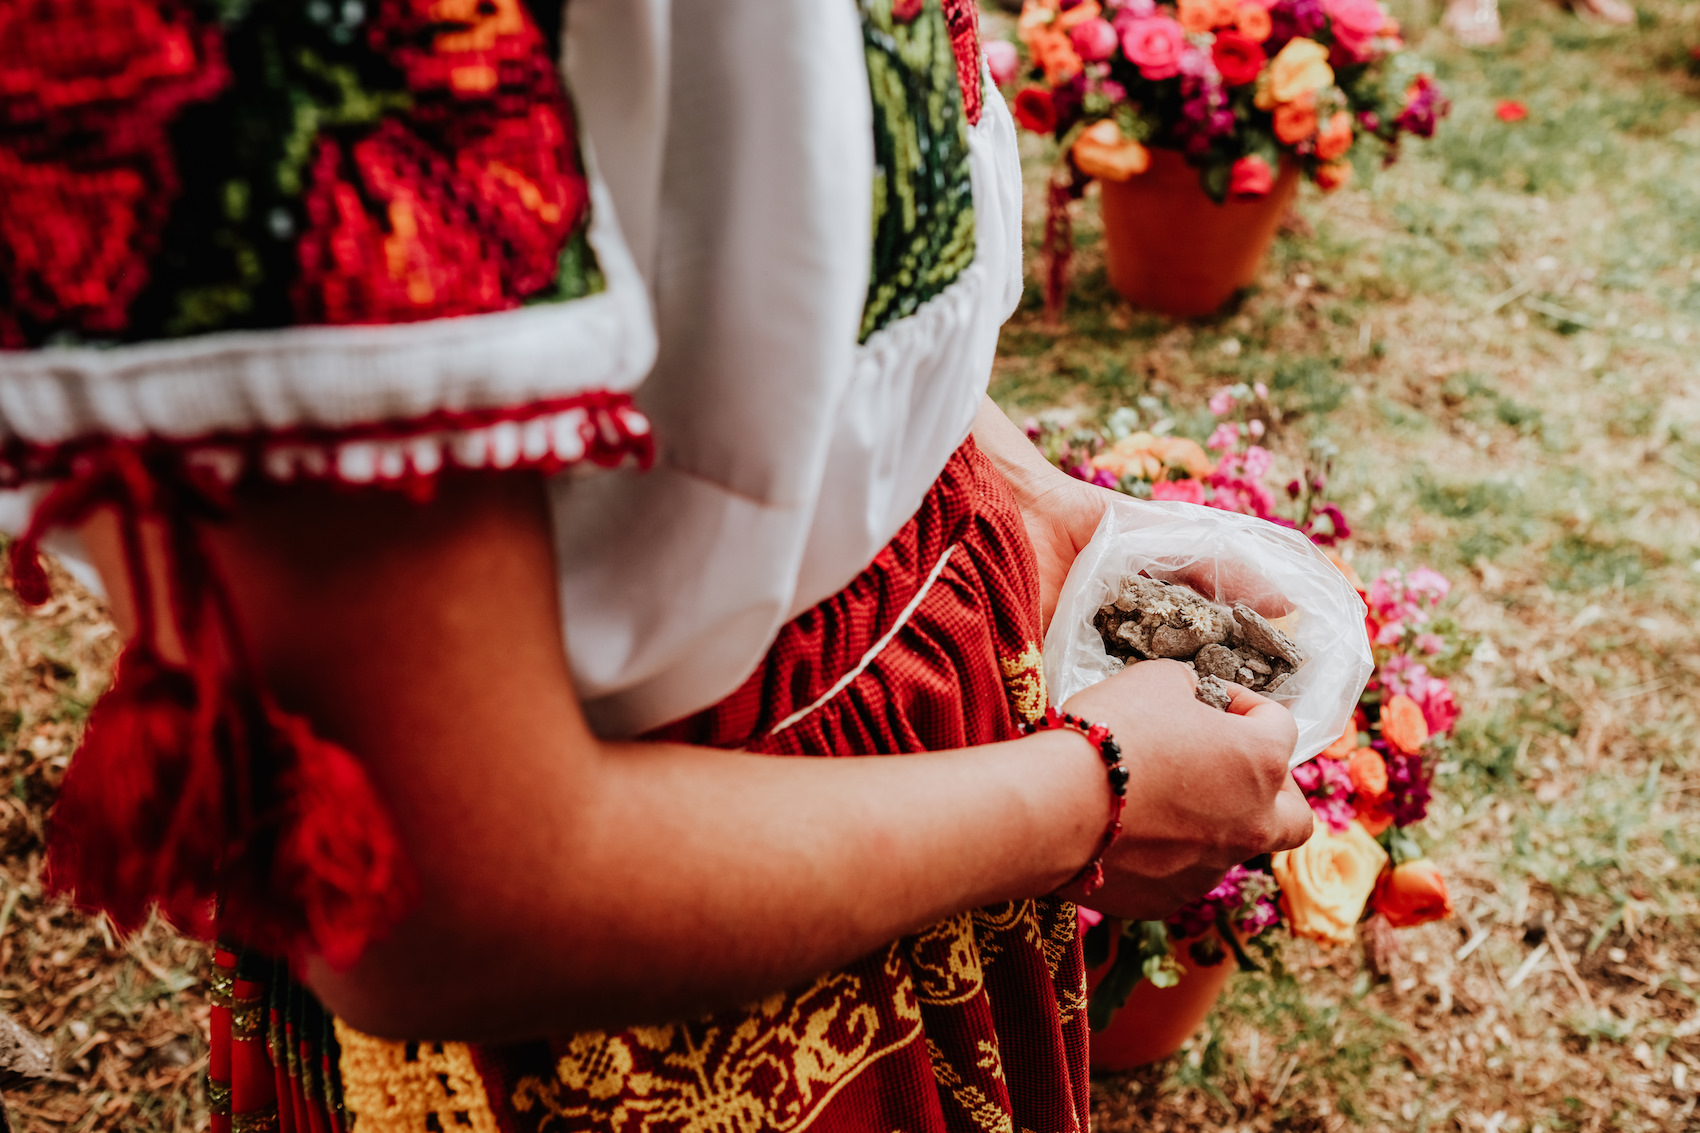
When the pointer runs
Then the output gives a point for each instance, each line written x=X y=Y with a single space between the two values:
x=174 y=169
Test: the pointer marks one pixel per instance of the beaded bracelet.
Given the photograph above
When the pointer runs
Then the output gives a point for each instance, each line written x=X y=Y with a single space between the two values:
x=1091 y=876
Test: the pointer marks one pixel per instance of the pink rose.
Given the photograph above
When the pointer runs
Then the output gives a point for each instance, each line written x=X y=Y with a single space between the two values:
x=1185 y=491
x=1094 y=40
x=1355 y=24
x=1154 y=45
x=1003 y=60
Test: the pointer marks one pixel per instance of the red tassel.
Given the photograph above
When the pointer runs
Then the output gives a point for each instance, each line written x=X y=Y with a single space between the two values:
x=140 y=816
x=337 y=861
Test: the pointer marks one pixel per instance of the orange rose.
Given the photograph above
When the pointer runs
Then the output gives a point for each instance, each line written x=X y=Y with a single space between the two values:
x=1326 y=882
x=1055 y=54
x=1343 y=747
x=1369 y=773
x=1402 y=723
x=1101 y=151
x=1295 y=121
x=1374 y=819
x=1131 y=454
x=1197 y=16
x=1333 y=175
x=1223 y=13
x=1412 y=893
x=1254 y=22
x=1336 y=137
x=1079 y=14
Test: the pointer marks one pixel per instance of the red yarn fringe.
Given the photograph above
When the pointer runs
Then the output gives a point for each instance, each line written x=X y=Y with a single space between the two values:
x=192 y=788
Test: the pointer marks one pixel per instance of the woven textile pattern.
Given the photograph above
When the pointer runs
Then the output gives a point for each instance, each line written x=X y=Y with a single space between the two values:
x=919 y=66
x=975 y=1025
x=176 y=167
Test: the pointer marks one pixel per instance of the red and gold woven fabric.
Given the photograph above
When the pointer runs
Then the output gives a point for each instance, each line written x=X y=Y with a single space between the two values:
x=976 y=1025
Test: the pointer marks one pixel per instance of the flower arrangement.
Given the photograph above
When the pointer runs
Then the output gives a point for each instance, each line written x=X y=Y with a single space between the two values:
x=1237 y=86
x=1361 y=874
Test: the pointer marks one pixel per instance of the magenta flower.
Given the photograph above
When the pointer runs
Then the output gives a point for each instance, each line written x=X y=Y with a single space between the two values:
x=1185 y=491
x=1154 y=44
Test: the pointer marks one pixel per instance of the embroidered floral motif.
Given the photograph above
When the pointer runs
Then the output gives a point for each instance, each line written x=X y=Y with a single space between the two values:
x=923 y=197
x=772 y=1067
x=397 y=1087
x=86 y=173
x=409 y=160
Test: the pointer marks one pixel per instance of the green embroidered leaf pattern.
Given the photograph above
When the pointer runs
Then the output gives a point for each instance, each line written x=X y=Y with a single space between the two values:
x=923 y=197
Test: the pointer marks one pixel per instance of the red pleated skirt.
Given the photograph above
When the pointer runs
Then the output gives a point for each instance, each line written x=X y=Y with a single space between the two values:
x=975 y=1025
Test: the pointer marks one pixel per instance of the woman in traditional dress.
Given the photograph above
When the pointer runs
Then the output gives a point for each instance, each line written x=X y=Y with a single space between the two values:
x=490 y=484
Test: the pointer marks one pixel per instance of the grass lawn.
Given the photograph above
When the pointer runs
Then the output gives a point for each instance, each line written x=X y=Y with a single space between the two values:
x=1501 y=336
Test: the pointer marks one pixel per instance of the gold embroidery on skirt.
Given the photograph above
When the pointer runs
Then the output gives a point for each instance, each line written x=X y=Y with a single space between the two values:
x=393 y=1087
x=945 y=959
x=774 y=1067
x=1024 y=682
x=987 y=1115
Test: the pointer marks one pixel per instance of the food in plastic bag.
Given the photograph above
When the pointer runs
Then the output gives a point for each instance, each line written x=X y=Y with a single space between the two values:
x=1235 y=596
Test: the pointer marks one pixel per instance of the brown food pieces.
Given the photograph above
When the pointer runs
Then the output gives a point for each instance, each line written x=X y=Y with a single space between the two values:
x=1150 y=618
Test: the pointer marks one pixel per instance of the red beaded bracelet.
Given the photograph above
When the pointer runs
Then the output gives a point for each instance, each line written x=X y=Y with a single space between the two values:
x=1091 y=876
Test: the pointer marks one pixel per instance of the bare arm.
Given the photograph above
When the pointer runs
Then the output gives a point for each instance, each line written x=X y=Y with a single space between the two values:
x=570 y=883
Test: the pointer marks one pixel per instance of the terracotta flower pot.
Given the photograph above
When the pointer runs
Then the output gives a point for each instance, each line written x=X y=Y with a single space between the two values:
x=1157 y=1020
x=1172 y=249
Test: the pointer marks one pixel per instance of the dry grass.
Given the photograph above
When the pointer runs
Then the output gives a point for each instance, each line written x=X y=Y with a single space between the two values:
x=1501 y=336
x=124 y=1018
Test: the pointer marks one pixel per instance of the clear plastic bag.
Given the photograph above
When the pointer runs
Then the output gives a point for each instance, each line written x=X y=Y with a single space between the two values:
x=1228 y=558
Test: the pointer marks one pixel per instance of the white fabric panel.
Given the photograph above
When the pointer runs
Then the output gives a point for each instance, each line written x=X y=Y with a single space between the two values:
x=787 y=462
x=333 y=376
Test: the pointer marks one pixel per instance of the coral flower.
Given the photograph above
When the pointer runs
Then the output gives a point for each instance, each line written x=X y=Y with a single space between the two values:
x=1326 y=882
x=1333 y=175
x=1510 y=110
x=1184 y=491
x=1346 y=745
x=1197 y=16
x=1035 y=110
x=1254 y=22
x=1335 y=138
x=1094 y=40
x=1369 y=773
x=1296 y=120
x=1355 y=24
x=1250 y=179
x=1402 y=724
x=1301 y=67
x=1154 y=45
x=1412 y=893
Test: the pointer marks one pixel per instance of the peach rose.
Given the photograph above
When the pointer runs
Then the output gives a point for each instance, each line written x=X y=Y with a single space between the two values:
x=1326 y=882
x=1184 y=454
x=1101 y=151
x=1056 y=56
x=1412 y=893
x=1301 y=67
x=1336 y=137
x=1333 y=175
x=1402 y=723
x=1131 y=454
x=1254 y=22
x=1296 y=120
